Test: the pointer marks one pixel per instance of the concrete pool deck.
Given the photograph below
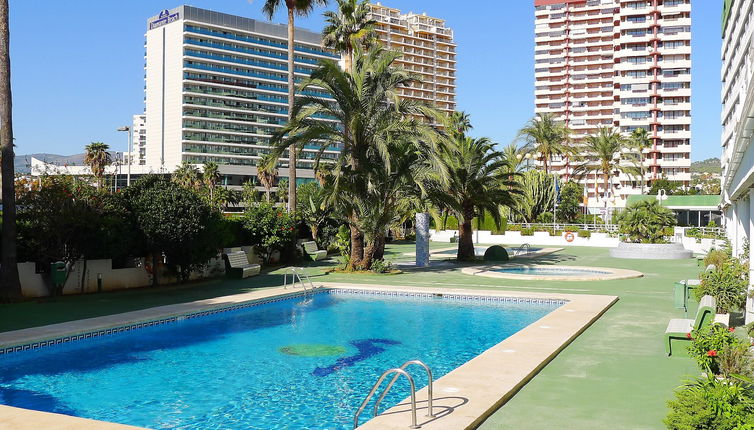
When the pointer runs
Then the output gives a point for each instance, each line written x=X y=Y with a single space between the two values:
x=443 y=252
x=464 y=397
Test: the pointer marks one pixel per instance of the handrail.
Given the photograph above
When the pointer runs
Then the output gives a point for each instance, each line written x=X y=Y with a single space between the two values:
x=377 y=385
x=521 y=248
x=296 y=273
x=390 y=385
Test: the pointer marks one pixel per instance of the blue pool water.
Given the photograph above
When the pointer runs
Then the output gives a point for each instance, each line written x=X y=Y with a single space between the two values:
x=294 y=363
x=554 y=271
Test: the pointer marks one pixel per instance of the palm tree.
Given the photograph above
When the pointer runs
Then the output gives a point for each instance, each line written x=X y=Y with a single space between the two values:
x=476 y=185
x=603 y=156
x=98 y=158
x=187 y=175
x=369 y=117
x=514 y=157
x=349 y=26
x=639 y=141
x=210 y=178
x=10 y=285
x=267 y=172
x=301 y=8
x=546 y=137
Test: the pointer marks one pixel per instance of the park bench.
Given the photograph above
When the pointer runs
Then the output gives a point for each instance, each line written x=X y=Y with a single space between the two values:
x=237 y=265
x=310 y=248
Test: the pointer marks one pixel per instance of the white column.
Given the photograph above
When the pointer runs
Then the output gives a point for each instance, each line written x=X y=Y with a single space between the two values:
x=736 y=227
x=422 y=239
x=744 y=216
x=749 y=314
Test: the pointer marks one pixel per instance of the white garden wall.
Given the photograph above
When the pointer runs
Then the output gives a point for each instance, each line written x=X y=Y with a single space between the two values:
x=539 y=238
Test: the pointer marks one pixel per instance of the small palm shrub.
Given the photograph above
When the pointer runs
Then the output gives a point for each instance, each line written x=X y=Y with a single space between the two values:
x=710 y=403
x=382 y=266
x=646 y=222
x=727 y=284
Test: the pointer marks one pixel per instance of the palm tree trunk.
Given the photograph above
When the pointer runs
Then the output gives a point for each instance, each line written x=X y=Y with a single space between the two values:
x=379 y=253
x=357 y=248
x=465 y=241
x=369 y=254
x=10 y=285
x=291 y=98
x=348 y=59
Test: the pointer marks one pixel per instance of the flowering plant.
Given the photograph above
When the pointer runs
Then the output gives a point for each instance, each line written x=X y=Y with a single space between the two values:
x=708 y=343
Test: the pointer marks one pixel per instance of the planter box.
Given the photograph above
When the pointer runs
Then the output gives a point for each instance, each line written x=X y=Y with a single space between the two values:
x=651 y=251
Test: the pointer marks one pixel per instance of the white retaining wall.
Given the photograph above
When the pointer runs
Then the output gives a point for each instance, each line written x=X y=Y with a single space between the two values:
x=540 y=238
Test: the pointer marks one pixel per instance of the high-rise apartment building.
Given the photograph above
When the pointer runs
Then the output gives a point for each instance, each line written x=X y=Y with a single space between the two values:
x=620 y=64
x=428 y=50
x=216 y=90
x=139 y=136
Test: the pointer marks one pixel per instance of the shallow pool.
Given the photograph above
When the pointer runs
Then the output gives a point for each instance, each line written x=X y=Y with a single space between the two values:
x=295 y=363
x=551 y=271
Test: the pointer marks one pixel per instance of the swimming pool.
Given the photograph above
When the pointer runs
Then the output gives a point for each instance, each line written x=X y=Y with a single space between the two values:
x=545 y=271
x=294 y=362
x=551 y=272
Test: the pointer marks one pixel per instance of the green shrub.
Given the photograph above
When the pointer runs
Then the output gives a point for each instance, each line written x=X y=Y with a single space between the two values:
x=707 y=344
x=545 y=218
x=584 y=233
x=727 y=284
x=711 y=404
x=382 y=266
x=527 y=231
x=646 y=222
x=496 y=253
x=270 y=229
x=513 y=227
x=589 y=219
x=736 y=360
x=716 y=257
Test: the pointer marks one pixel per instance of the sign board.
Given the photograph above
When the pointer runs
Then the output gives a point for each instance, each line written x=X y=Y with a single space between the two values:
x=164 y=18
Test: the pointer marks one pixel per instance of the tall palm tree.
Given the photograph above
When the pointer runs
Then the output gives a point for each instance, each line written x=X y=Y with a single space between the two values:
x=267 y=172
x=546 y=137
x=349 y=26
x=476 y=185
x=639 y=141
x=514 y=157
x=603 y=156
x=368 y=115
x=97 y=157
x=210 y=178
x=10 y=285
x=301 y=8
x=187 y=175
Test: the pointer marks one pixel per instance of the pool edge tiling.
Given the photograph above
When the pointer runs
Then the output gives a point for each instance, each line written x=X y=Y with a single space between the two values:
x=466 y=395
x=599 y=273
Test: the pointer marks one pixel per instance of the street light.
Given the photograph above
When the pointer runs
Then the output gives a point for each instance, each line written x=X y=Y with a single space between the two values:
x=130 y=153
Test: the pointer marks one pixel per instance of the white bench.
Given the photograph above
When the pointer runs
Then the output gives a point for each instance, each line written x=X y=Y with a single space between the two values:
x=310 y=249
x=237 y=264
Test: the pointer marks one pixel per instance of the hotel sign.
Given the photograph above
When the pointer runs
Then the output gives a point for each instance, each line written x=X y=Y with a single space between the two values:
x=164 y=18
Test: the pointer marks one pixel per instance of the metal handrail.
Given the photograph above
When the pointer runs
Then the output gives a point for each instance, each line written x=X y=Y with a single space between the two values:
x=296 y=273
x=377 y=385
x=395 y=378
x=521 y=248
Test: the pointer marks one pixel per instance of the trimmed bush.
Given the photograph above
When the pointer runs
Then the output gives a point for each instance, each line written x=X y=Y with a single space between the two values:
x=584 y=233
x=496 y=253
x=527 y=231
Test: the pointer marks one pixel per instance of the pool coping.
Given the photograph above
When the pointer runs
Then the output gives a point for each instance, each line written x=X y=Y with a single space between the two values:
x=488 y=271
x=481 y=380
x=540 y=253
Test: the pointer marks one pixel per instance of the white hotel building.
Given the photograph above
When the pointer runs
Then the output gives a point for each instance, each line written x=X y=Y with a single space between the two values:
x=620 y=64
x=216 y=89
x=737 y=119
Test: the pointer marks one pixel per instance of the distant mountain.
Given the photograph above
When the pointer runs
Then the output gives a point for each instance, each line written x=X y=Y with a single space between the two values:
x=23 y=162
x=710 y=165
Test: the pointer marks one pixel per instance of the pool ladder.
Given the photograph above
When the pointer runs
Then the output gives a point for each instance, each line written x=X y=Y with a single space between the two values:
x=520 y=250
x=397 y=372
x=296 y=274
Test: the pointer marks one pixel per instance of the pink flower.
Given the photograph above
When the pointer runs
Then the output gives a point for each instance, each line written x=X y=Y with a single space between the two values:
x=688 y=336
x=731 y=329
x=711 y=353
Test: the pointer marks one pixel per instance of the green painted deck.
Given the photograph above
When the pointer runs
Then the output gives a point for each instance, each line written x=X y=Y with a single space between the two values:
x=615 y=375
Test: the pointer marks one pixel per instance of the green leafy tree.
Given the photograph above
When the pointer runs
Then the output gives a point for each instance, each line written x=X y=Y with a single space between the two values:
x=547 y=138
x=312 y=208
x=475 y=185
x=301 y=8
x=97 y=157
x=269 y=228
x=10 y=285
x=646 y=221
x=173 y=221
x=670 y=187
x=347 y=27
x=571 y=196
x=727 y=284
x=249 y=193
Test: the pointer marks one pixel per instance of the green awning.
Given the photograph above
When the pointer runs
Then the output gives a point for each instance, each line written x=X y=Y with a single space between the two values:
x=695 y=202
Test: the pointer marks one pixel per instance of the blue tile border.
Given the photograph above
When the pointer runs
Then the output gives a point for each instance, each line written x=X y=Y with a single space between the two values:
x=257 y=302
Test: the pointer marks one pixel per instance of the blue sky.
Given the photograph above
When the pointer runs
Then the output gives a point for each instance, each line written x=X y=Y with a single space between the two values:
x=78 y=66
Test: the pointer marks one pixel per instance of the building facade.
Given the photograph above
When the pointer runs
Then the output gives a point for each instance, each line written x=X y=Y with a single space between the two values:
x=428 y=50
x=139 y=136
x=737 y=119
x=216 y=90
x=619 y=64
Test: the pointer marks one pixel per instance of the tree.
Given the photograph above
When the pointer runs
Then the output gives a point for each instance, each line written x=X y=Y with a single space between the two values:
x=349 y=26
x=282 y=195
x=603 y=152
x=210 y=178
x=569 y=208
x=10 y=285
x=174 y=222
x=537 y=196
x=249 y=193
x=475 y=185
x=98 y=158
x=267 y=172
x=301 y=8
x=514 y=157
x=187 y=176
x=646 y=221
x=670 y=188
x=312 y=208
x=546 y=137
x=269 y=228
x=369 y=117
x=639 y=141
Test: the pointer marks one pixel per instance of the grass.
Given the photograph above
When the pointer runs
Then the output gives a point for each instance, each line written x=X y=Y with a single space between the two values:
x=615 y=375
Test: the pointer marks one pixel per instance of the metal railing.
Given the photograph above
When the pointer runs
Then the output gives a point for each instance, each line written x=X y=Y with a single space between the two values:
x=397 y=372
x=522 y=250
x=296 y=274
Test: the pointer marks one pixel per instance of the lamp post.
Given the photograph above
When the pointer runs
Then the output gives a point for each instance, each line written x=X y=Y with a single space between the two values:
x=130 y=153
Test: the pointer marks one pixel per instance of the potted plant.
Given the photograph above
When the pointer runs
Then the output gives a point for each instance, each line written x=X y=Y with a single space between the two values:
x=643 y=227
